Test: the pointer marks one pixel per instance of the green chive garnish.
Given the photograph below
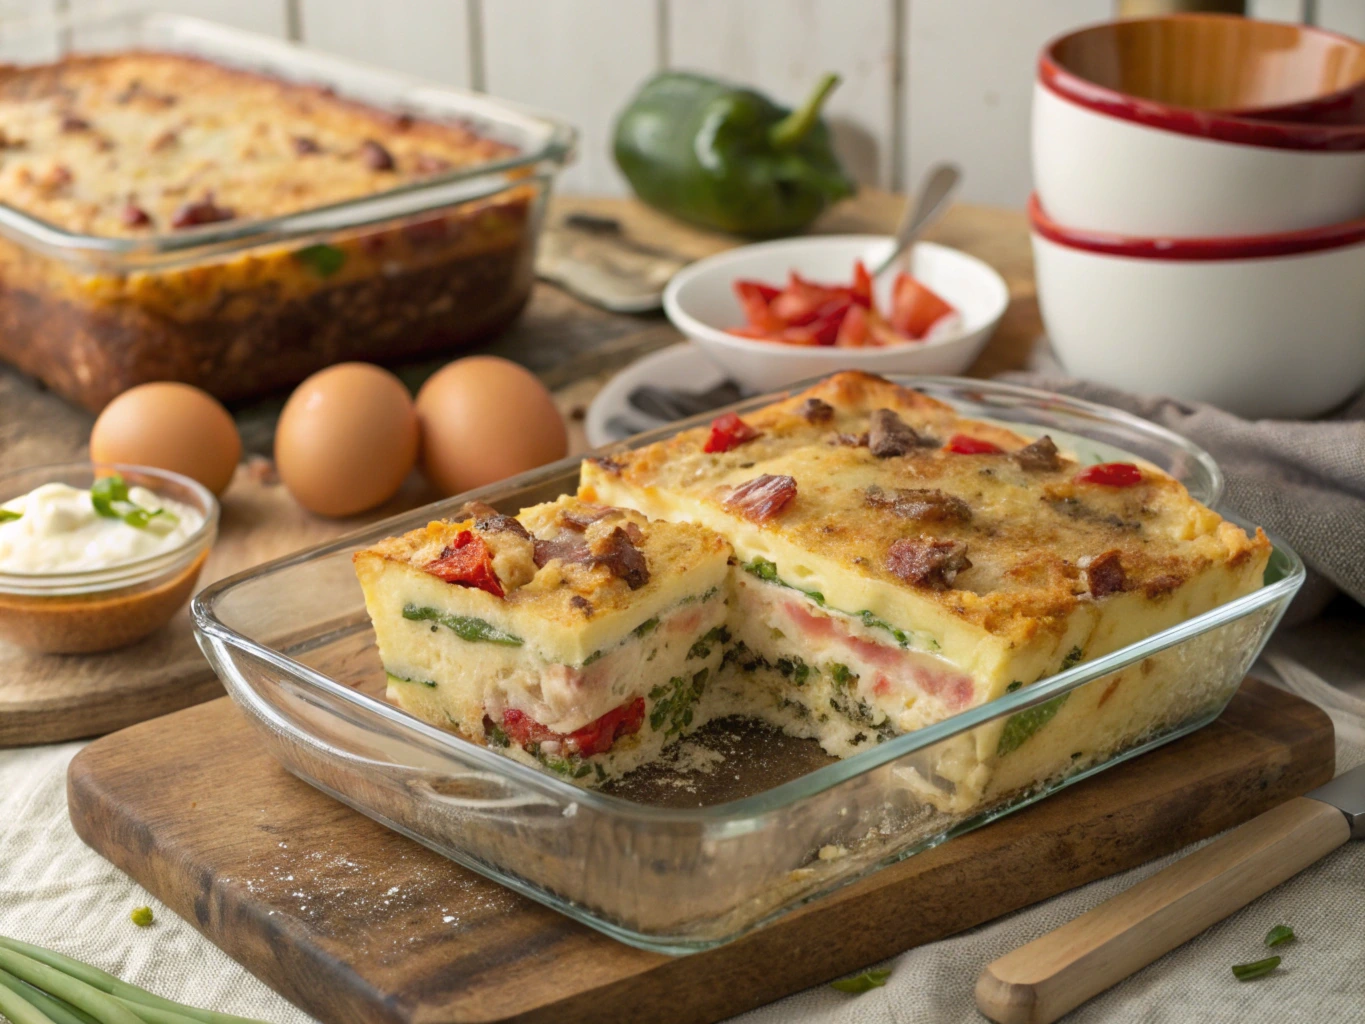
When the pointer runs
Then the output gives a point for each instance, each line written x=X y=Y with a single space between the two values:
x=1256 y=969
x=1279 y=934
x=860 y=983
x=6 y=516
x=109 y=495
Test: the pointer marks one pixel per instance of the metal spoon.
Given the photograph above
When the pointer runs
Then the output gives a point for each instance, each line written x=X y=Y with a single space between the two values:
x=938 y=188
x=669 y=404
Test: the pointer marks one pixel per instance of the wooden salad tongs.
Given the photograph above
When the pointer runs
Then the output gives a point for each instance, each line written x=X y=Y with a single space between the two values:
x=1056 y=972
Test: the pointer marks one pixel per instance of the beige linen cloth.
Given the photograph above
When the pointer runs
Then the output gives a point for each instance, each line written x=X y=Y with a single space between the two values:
x=1304 y=481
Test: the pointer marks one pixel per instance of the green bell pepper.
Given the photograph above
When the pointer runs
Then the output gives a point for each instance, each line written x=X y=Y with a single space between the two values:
x=729 y=158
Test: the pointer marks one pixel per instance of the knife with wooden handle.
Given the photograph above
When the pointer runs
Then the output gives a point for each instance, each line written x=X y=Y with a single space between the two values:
x=1054 y=974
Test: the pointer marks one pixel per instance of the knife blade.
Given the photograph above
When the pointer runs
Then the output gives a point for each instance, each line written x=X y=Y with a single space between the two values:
x=1055 y=973
x=1347 y=794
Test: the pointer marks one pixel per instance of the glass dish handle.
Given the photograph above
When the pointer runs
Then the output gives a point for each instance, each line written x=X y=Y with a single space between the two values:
x=439 y=790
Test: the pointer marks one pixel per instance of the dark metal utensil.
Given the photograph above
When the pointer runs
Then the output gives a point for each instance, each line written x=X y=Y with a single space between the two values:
x=622 y=427
x=669 y=404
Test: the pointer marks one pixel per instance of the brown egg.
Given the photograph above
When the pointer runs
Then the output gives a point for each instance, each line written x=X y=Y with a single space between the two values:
x=483 y=419
x=346 y=439
x=169 y=426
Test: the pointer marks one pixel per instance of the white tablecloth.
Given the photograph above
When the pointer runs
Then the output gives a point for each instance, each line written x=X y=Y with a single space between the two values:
x=57 y=893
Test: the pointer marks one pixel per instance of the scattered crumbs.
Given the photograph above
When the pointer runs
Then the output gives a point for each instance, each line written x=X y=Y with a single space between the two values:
x=800 y=874
x=693 y=757
x=689 y=774
x=328 y=891
x=833 y=852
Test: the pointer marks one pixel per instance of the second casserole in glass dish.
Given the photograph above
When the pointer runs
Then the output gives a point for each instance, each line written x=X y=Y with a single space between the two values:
x=184 y=201
x=682 y=860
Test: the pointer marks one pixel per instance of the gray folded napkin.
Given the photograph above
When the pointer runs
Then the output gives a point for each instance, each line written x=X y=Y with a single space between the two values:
x=1301 y=480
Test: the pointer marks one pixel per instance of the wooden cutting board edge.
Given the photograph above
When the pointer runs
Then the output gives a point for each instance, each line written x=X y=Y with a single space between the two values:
x=840 y=933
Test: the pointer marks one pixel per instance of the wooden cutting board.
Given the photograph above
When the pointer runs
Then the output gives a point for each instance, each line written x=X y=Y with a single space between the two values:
x=355 y=923
x=571 y=345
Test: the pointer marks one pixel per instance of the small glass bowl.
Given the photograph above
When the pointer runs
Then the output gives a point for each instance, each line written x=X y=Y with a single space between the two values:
x=100 y=609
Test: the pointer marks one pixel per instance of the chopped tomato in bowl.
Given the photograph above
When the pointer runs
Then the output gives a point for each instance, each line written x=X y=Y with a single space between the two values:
x=774 y=313
x=806 y=312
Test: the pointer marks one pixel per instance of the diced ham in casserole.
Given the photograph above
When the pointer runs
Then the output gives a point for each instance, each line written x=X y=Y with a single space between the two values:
x=896 y=667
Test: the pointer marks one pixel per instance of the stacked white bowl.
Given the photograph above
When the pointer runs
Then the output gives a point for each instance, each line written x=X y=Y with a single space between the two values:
x=1199 y=214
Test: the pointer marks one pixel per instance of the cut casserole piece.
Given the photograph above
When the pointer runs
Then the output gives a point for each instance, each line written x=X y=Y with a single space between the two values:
x=574 y=636
x=901 y=563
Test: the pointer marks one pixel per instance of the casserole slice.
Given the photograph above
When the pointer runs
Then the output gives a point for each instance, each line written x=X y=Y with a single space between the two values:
x=573 y=636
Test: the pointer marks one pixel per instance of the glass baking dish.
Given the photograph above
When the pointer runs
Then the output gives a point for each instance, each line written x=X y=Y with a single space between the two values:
x=677 y=868
x=244 y=307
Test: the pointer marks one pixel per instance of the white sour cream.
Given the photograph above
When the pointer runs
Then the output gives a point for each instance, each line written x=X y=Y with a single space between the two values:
x=58 y=530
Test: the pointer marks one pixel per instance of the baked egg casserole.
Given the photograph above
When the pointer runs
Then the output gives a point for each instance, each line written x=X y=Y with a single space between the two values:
x=849 y=564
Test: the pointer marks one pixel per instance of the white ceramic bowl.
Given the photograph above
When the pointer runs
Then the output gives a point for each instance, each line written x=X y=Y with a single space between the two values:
x=1100 y=171
x=700 y=301
x=1267 y=326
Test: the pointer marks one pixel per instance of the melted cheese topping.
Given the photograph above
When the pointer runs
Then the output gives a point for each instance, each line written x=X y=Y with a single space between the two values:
x=1023 y=603
x=565 y=612
x=84 y=137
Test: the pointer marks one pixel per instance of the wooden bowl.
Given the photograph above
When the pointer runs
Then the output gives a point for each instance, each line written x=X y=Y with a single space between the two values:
x=1213 y=62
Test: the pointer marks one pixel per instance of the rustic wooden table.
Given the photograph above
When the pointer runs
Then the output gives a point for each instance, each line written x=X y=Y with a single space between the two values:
x=573 y=346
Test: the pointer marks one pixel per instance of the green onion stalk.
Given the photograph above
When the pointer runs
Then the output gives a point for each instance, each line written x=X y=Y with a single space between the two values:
x=40 y=986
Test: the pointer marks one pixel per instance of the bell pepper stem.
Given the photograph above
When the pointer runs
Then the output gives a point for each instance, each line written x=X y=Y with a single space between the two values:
x=796 y=125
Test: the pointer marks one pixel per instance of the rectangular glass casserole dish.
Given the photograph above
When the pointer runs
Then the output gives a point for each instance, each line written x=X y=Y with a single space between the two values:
x=246 y=306
x=669 y=870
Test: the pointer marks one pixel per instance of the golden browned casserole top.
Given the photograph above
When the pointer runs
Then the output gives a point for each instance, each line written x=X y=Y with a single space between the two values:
x=143 y=143
x=567 y=560
x=888 y=484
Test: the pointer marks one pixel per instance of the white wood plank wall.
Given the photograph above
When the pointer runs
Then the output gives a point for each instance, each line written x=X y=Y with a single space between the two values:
x=923 y=80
